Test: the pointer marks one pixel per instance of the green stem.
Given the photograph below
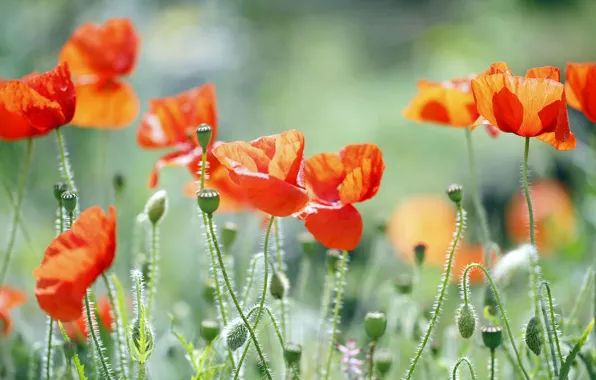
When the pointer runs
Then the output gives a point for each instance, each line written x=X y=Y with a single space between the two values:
x=266 y=274
x=203 y=169
x=118 y=329
x=325 y=301
x=338 y=297
x=248 y=286
x=553 y=329
x=64 y=161
x=501 y=308
x=280 y=267
x=371 y=354
x=141 y=372
x=456 y=367
x=102 y=359
x=534 y=267
x=153 y=270
x=17 y=210
x=480 y=211
x=442 y=290
x=492 y=364
x=283 y=317
x=77 y=361
x=303 y=277
x=580 y=298
x=48 y=363
x=235 y=299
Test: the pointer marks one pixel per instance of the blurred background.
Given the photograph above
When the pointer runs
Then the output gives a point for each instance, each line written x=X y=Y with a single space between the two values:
x=339 y=71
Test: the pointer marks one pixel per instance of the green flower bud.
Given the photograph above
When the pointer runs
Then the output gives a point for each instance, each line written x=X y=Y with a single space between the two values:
x=308 y=243
x=375 y=323
x=293 y=354
x=228 y=235
x=143 y=343
x=419 y=253
x=383 y=359
x=69 y=200
x=455 y=193
x=466 y=320
x=533 y=337
x=208 y=200
x=209 y=292
x=492 y=336
x=59 y=188
x=333 y=259
x=209 y=330
x=236 y=334
x=204 y=134
x=490 y=301
x=157 y=206
x=118 y=182
x=404 y=284
x=279 y=285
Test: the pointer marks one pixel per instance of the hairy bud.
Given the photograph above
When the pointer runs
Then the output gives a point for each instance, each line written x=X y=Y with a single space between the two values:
x=533 y=337
x=466 y=320
x=236 y=334
x=279 y=285
x=157 y=206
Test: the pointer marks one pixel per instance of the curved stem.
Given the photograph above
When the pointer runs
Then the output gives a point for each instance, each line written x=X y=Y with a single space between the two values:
x=338 y=296
x=17 y=210
x=534 y=268
x=266 y=275
x=553 y=323
x=442 y=290
x=235 y=299
x=501 y=308
x=102 y=359
x=153 y=272
x=480 y=211
x=456 y=367
x=248 y=286
x=492 y=364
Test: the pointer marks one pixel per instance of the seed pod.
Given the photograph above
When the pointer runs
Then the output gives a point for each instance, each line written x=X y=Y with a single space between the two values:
x=466 y=320
x=209 y=330
x=492 y=336
x=228 y=234
x=404 y=284
x=293 y=354
x=383 y=359
x=533 y=337
x=69 y=200
x=208 y=200
x=455 y=193
x=236 y=334
x=419 y=253
x=157 y=206
x=204 y=134
x=59 y=189
x=375 y=324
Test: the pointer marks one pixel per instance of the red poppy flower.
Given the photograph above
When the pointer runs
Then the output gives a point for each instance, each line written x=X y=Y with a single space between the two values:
x=73 y=261
x=269 y=171
x=530 y=106
x=36 y=104
x=580 y=88
x=99 y=55
x=335 y=181
x=9 y=299
x=78 y=330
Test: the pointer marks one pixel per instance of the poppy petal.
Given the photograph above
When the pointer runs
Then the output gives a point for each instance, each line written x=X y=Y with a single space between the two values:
x=112 y=105
x=324 y=173
x=179 y=158
x=337 y=228
x=364 y=166
x=579 y=88
x=437 y=104
x=61 y=300
x=287 y=160
x=546 y=72
x=499 y=68
x=551 y=139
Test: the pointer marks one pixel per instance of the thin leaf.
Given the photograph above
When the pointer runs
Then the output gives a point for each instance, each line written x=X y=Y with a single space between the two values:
x=574 y=351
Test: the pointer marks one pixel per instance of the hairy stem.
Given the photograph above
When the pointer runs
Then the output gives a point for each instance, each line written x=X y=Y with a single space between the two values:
x=588 y=277
x=118 y=329
x=102 y=359
x=371 y=354
x=492 y=364
x=553 y=329
x=501 y=309
x=12 y=234
x=253 y=266
x=461 y=215
x=456 y=367
x=48 y=362
x=338 y=298
x=153 y=268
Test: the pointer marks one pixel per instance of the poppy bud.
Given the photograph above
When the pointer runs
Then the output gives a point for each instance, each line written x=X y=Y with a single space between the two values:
x=118 y=182
x=492 y=336
x=228 y=235
x=204 y=133
x=404 y=284
x=236 y=334
x=262 y=367
x=490 y=301
x=383 y=359
x=466 y=320
x=455 y=193
x=307 y=240
x=70 y=349
x=59 y=188
x=142 y=336
x=69 y=200
x=333 y=259
x=208 y=200
x=209 y=291
x=533 y=338
x=157 y=206
x=209 y=330
x=375 y=323
x=293 y=354
x=419 y=252
x=279 y=285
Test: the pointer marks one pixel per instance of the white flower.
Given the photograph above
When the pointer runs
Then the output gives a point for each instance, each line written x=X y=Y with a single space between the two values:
x=513 y=263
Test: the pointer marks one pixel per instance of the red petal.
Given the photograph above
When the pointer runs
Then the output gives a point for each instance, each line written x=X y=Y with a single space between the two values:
x=364 y=166
x=324 y=173
x=338 y=228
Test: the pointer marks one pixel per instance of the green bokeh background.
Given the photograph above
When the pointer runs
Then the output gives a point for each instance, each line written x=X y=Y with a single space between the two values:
x=339 y=71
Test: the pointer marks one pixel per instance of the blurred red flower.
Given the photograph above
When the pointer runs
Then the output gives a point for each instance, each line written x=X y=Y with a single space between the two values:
x=9 y=299
x=580 y=88
x=334 y=182
x=269 y=171
x=530 y=106
x=73 y=261
x=554 y=215
x=36 y=104
x=99 y=55
x=78 y=330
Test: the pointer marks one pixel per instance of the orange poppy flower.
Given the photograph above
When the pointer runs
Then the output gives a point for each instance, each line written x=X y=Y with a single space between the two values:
x=36 y=104
x=530 y=106
x=334 y=182
x=269 y=171
x=78 y=330
x=580 y=88
x=554 y=216
x=99 y=55
x=73 y=261
x=9 y=299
